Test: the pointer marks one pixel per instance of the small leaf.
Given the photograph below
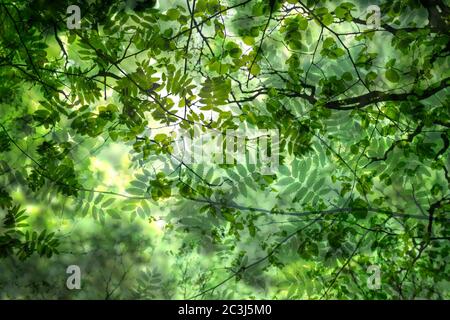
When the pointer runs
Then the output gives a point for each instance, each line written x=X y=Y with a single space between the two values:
x=392 y=75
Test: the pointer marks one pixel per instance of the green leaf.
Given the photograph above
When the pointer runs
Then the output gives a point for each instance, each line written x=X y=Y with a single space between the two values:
x=392 y=75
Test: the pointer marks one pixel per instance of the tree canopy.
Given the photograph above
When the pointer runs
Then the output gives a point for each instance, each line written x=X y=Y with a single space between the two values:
x=89 y=117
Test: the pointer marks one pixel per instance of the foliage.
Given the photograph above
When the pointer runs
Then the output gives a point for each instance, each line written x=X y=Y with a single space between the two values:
x=88 y=118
